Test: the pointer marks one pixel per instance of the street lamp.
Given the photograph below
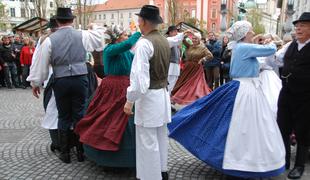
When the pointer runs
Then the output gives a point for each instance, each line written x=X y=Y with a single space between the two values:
x=242 y=11
x=223 y=12
x=288 y=24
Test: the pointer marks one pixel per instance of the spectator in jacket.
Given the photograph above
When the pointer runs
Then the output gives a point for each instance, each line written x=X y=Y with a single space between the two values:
x=8 y=55
x=25 y=60
x=212 y=68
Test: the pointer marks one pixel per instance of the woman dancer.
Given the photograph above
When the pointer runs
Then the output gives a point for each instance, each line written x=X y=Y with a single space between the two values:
x=234 y=129
x=106 y=131
x=191 y=84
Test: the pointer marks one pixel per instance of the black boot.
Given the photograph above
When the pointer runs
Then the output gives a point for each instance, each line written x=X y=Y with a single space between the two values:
x=164 y=175
x=55 y=142
x=79 y=148
x=301 y=156
x=296 y=172
x=64 y=139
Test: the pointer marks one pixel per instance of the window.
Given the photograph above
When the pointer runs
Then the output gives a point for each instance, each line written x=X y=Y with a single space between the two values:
x=32 y=13
x=31 y=0
x=193 y=15
x=51 y=4
x=99 y=16
x=12 y=11
x=121 y=15
x=122 y=24
x=112 y=16
x=22 y=12
x=95 y=16
x=129 y=15
x=213 y=27
x=103 y=16
x=213 y=15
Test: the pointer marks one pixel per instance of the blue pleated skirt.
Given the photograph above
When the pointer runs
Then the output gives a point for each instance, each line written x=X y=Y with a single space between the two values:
x=202 y=128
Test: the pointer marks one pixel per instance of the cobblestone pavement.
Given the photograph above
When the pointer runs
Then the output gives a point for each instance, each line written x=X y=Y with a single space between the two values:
x=25 y=153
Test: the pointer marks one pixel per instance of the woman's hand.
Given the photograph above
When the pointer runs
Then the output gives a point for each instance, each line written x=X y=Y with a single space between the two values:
x=128 y=108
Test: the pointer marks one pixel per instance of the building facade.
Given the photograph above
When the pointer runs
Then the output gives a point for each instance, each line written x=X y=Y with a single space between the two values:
x=15 y=12
x=116 y=12
x=269 y=16
x=300 y=6
x=209 y=11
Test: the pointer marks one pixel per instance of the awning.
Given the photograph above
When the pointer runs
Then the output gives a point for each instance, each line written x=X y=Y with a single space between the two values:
x=185 y=26
x=32 y=25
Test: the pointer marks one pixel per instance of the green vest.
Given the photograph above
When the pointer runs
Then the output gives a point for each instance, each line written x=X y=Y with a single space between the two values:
x=159 y=62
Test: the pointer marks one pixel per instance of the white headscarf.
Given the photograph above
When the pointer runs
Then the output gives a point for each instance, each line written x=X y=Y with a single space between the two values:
x=238 y=31
x=198 y=35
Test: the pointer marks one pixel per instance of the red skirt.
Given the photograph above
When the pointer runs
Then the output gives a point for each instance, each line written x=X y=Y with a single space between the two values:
x=105 y=121
x=191 y=84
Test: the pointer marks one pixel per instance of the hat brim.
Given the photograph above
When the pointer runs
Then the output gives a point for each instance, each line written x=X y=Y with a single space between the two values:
x=60 y=17
x=300 y=20
x=157 y=20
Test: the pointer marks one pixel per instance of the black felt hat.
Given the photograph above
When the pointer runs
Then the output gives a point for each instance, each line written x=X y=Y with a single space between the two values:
x=304 y=17
x=171 y=28
x=151 y=13
x=64 y=13
x=52 y=23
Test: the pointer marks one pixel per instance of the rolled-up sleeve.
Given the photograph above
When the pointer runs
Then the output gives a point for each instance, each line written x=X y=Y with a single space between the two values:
x=175 y=40
x=93 y=39
x=139 y=75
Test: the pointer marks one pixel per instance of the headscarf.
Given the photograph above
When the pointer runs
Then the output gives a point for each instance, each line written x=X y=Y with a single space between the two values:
x=114 y=33
x=198 y=35
x=238 y=31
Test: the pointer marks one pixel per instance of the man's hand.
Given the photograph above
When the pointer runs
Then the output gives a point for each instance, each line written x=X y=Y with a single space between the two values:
x=36 y=91
x=128 y=108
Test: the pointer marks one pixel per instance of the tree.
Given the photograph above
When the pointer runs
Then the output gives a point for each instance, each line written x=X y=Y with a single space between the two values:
x=255 y=17
x=60 y=3
x=173 y=9
x=3 y=17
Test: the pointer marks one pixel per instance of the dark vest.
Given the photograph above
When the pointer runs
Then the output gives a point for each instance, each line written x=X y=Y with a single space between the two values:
x=175 y=55
x=68 y=56
x=296 y=69
x=159 y=63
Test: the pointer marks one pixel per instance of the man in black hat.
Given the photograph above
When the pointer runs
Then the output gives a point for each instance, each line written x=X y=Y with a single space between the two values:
x=65 y=50
x=294 y=98
x=148 y=90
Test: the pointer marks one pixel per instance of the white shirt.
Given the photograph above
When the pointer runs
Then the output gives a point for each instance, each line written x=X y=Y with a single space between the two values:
x=39 y=69
x=175 y=40
x=152 y=106
x=280 y=54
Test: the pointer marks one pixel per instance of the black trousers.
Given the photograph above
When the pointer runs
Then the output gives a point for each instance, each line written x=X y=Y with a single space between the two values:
x=70 y=95
x=25 y=74
x=294 y=116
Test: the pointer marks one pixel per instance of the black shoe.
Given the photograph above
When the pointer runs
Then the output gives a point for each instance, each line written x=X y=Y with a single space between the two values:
x=80 y=156
x=164 y=175
x=65 y=158
x=54 y=148
x=296 y=172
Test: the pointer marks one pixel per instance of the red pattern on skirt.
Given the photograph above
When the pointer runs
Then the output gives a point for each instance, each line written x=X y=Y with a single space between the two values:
x=191 y=84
